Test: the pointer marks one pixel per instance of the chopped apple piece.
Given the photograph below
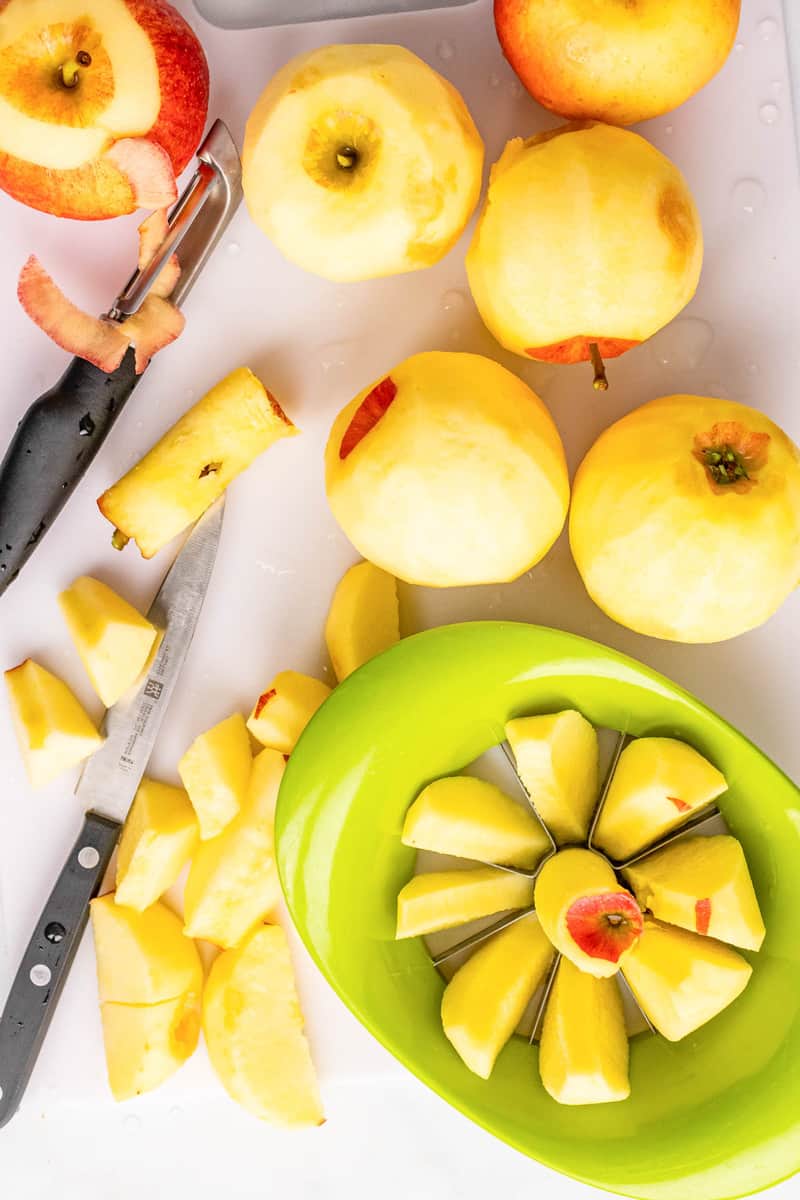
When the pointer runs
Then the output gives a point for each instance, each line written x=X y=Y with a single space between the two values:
x=484 y=1001
x=146 y=1043
x=364 y=617
x=282 y=711
x=681 y=980
x=148 y=169
x=160 y=836
x=142 y=958
x=702 y=884
x=215 y=771
x=98 y=340
x=557 y=760
x=113 y=639
x=52 y=728
x=233 y=880
x=583 y=1053
x=471 y=818
x=195 y=461
x=253 y=1027
x=658 y=784
x=442 y=899
x=585 y=913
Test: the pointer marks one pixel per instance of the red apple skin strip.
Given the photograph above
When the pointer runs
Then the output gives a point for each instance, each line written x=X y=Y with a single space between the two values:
x=681 y=805
x=100 y=342
x=590 y=931
x=152 y=232
x=263 y=701
x=702 y=915
x=148 y=169
x=155 y=325
x=367 y=415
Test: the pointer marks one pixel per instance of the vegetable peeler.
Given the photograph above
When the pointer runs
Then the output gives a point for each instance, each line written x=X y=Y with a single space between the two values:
x=63 y=430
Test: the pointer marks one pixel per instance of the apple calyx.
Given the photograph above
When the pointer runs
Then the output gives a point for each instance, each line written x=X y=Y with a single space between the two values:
x=367 y=415
x=605 y=925
x=731 y=455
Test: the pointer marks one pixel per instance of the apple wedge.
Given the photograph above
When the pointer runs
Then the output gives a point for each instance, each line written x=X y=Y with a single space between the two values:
x=233 y=880
x=142 y=958
x=557 y=760
x=364 y=617
x=53 y=730
x=442 y=899
x=253 y=1028
x=146 y=1044
x=113 y=639
x=215 y=771
x=284 y=708
x=484 y=1001
x=470 y=818
x=160 y=836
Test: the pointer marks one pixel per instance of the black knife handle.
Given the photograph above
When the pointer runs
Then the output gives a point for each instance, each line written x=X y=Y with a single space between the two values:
x=54 y=444
x=46 y=963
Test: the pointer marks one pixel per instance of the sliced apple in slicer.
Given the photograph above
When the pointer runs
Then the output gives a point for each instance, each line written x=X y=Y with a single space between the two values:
x=583 y=1051
x=142 y=958
x=442 y=899
x=484 y=1001
x=363 y=619
x=557 y=759
x=470 y=818
x=160 y=836
x=681 y=980
x=147 y=1043
x=53 y=730
x=284 y=708
x=658 y=784
x=701 y=884
x=215 y=771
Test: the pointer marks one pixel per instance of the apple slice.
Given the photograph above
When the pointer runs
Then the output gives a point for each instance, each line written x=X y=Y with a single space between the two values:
x=53 y=730
x=484 y=1001
x=233 y=880
x=113 y=639
x=471 y=818
x=148 y=169
x=215 y=771
x=364 y=617
x=253 y=1027
x=142 y=958
x=442 y=899
x=585 y=913
x=557 y=760
x=681 y=980
x=284 y=708
x=146 y=1044
x=99 y=341
x=658 y=784
x=160 y=836
x=702 y=884
x=583 y=1052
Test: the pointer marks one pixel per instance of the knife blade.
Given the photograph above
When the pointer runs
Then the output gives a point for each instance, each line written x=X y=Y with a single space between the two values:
x=106 y=790
x=62 y=431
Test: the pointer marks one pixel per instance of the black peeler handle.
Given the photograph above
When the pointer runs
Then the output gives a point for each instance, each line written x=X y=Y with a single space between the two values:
x=54 y=444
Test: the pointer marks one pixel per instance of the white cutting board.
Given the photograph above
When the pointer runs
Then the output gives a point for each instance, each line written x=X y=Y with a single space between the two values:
x=316 y=344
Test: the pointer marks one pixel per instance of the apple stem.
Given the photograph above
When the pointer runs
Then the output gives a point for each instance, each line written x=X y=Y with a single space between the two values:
x=119 y=540
x=600 y=382
x=68 y=71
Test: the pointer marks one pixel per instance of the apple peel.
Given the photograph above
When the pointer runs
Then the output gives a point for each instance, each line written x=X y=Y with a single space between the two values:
x=152 y=232
x=154 y=326
x=148 y=169
x=605 y=925
x=367 y=415
x=98 y=340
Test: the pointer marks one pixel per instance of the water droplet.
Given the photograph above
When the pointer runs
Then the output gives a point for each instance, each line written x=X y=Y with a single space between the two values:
x=683 y=343
x=668 y=129
x=190 y=394
x=767 y=28
x=86 y=426
x=739 y=47
x=515 y=87
x=776 y=85
x=234 y=249
x=446 y=50
x=132 y=1123
x=176 y=1111
x=340 y=300
x=769 y=113
x=455 y=336
x=494 y=80
x=749 y=196
x=452 y=300
x=334 y=356
x=752 y=368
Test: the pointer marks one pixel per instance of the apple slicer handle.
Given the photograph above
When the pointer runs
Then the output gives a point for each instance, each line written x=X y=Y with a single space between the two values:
x=53 y=446
x=46 y=962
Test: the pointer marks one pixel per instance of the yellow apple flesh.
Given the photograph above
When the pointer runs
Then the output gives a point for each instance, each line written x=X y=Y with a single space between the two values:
x=113 y=639
x=215 y=771
x=284 y=708
x=142 y=958
x=556 y=756
x=146 y=1044
x=442 y=899
x=53 y=730
x=364 y=618
x=160 y=835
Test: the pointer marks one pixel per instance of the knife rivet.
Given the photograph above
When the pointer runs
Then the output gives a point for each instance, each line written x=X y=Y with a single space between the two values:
x=88 y=858
x=55 y=932
x=40 y=975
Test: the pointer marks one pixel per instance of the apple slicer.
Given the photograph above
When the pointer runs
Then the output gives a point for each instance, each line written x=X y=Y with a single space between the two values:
x=714 y=1114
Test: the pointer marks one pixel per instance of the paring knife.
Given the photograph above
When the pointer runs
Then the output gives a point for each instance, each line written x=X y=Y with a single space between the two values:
x=106 y=789
x=63 y=430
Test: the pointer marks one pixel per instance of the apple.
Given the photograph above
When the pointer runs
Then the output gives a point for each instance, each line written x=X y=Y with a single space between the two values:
x=253 y=1028
x=193 y=463
x=113 y=640
x=618 y=62
x=146 y=1044
x=361 y=161
x=587 y=916
x=284 y=708
x=102 y=104
x=583 y=1051
x=470 y=818
x=556 y=757
x=701 y=884
x=681 y=980
x=215 y=771
x=364 y=618
x=685 y=520
x=484 y=1001
x=448 y=471
x=552 y=265
x=442 y=899
x=160 y=835
x=53 y=730
x=142 y=958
